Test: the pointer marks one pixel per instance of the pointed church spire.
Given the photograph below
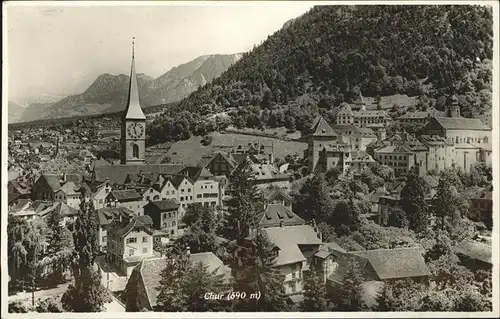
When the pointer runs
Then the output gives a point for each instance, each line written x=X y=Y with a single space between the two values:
x=134 y=110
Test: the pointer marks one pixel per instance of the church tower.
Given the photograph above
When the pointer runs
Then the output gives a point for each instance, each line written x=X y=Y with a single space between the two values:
x=133 y=135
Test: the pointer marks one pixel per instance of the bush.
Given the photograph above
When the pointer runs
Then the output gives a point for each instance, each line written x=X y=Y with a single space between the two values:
x=206 y=140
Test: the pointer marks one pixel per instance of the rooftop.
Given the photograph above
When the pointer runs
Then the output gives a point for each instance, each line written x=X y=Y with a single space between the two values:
x=276 y=215
x=474 y=250
x=461 y=123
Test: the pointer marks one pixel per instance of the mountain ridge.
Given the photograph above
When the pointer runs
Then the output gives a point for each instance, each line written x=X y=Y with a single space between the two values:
x=108 y=93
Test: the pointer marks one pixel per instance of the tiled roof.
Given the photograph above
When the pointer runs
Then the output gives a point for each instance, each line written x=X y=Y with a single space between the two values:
x=288 y=238
x=414 y=115
x=267 y=171
x=395 y=263
x=165 y=205
x=433 y=140
x=69 y=188
x=461 y=123
x=109 y=215
x=126 y=194
x=118 y=173
x=21 y=203
x=370 y=113
x=21 y=187
x=361 y=156
x=150 y=269
x=326 y=249
x=53 y=181
x=63 y=209
x=474 y=250
x=322 y=128
x=394 y=149
x=275 y=214
x=196 y=172
x=271 y=193
x=122 y=229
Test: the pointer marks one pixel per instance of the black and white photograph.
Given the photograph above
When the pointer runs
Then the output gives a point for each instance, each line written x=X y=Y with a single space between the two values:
x=240 y=159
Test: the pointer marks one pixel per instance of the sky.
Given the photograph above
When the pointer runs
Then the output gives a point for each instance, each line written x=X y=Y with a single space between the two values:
x=61 y=49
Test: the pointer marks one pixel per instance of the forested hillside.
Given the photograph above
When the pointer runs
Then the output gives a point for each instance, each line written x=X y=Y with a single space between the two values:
x=329 y=53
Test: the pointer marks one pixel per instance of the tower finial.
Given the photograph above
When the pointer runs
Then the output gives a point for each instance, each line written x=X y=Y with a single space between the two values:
x=133 y=46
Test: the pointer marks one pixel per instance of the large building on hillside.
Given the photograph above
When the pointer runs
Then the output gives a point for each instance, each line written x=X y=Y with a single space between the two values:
x=471 y=138
x=358 y=115
x=341 y=146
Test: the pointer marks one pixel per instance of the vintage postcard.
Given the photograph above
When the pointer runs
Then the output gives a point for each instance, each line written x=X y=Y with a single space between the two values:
x=235 y=159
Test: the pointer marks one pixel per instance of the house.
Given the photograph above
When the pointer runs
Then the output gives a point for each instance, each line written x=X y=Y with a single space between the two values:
x=221 y=164
x=141 y=292
x=414 y=118
x=165 y=215
x=474 y=255
x=108 y=216
x=276 y=195
x=20 y=205
x=151 y=193
x=47 y=185
x=294 y=248
x=99 y=194
x=266 y=175
x=277 y=215
x=399 y=157
x=325 y=260
x=128 y=198
x=206 y=190
x=481 y=206
x=69 y=194
x=359 y=161
x=18 y=190
x=67 y=212
x=380 y=266
x=129 y=242
x=440 y=154
x=177 y=187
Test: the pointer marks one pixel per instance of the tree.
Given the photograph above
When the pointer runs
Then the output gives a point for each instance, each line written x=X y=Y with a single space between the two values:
x=26 y=242
x=58 y=245
x=183 y=285
x=314 y=294
x=87 y=293
x=413 y=201
x=449 y=205
x=397 y=218
x=244 y=204
x=255 y=272
x=314 y=201
x=350 y=292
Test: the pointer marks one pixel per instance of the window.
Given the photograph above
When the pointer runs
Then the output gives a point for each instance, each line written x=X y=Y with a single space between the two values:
x=144 y=239
x=182 y=190
x=135 y=151
x=173 y=224
x=131 y=240
x=189 y=190
x=145 y=250
x=104 y=239
x=198 y=196
x=131 y=252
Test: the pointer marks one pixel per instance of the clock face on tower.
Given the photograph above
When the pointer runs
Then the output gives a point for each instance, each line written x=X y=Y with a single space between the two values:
x=135 y=130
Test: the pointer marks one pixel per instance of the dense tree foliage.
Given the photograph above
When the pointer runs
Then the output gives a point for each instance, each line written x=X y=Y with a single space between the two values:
x=255 y=272
x=315 y=298
x=86 y=294
x=244 y=204
x=413 y=201
x=183 y=285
